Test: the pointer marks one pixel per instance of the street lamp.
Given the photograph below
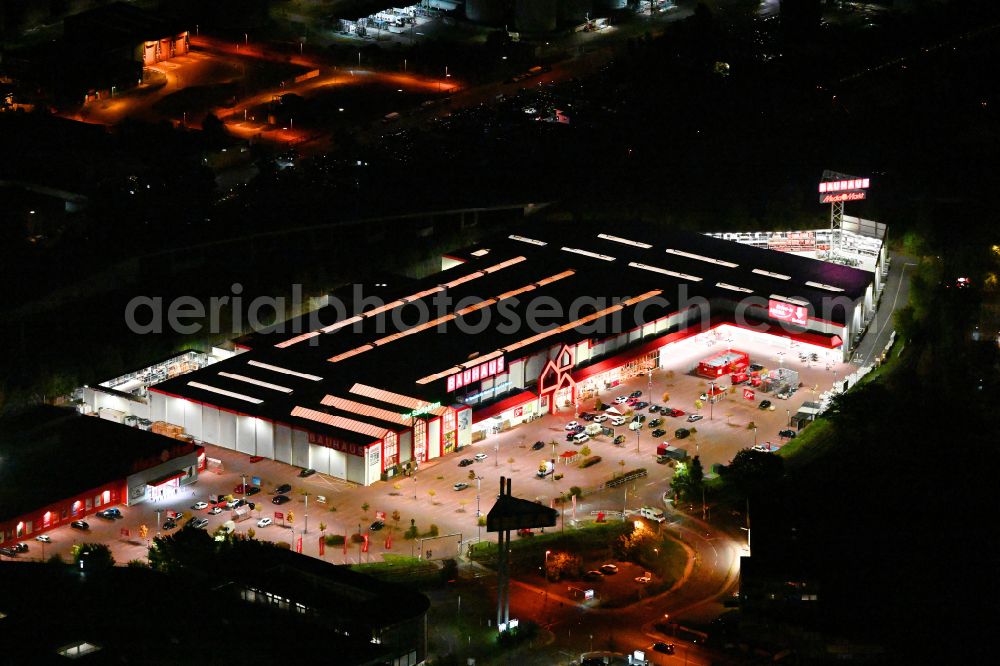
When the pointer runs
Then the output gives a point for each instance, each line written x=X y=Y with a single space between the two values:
x=711 y=401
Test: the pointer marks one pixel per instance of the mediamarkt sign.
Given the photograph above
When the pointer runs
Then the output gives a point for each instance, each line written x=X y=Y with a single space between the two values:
x=841 y=197
x=796 y=314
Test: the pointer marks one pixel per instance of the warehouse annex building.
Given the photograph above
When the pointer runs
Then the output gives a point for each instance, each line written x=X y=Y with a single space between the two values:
x=57 y=466
x=361 y=396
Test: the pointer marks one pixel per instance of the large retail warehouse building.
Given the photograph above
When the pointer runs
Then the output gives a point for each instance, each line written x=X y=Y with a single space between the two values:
x=406 y=377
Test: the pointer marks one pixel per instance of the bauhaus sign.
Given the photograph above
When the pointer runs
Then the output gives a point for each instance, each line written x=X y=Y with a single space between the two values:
x=795 y=314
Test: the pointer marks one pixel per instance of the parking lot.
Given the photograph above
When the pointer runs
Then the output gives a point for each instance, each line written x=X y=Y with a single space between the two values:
x=428 y=497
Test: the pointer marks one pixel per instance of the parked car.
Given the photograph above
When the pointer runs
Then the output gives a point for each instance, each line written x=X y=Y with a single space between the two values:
x=580 y=438
x=110 y=514
x=169 y=524
x=198 y=506
x=764 y=404
x=79 y=525
x=617 y=420
x=307 y=472
x=654 y=408
x=572 y=425
x=199 y=523
x=655 y=422
x=694 y=417
x=790 y=434
x=535 y=447
x=681 y=433
x=593 y=574
x=376 y=525
x=461 y=485
x=635 y=394
x=233 y=503
x=8 y=552
x=20 y=547
x=609 y=569
x=281 y=499
x=256 y=459
x=674 y=412
x=480 y=457
x=642 y=404
x=44 y=538
x=215 y=510
x=620 y=399
x=252 y=490
x=643 y=579
x=659 y=432
x=465 y=462
x=264 y=522
x=640 y=418
x=663 y=648
x=756 y=367
x=620 y=440
x=587 y=416
x=282 y=489
x=525 y=532
x=600 y=418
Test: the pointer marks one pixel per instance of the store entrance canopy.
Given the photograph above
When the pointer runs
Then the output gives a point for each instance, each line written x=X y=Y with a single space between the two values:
x=612 y=411
x=163 y=480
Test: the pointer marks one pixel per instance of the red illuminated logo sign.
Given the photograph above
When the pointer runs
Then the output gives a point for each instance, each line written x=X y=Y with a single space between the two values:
x=844 y=185
x=483 y=371
x=796 y=314
x=279 y=515
x=748 y=394
x=841 y=197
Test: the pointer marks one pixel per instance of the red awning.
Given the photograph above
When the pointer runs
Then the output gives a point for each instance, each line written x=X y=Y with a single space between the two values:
x=568 y=454
x=502 y=406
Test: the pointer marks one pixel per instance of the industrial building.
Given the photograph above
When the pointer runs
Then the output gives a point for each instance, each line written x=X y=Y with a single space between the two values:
x=57 y=466
x=363 y=389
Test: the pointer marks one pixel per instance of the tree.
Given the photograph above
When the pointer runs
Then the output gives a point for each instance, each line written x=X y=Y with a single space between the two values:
x=510 y=461
x=92 y=556
x=322 y=526
x=698 y=404
x=251 y=533
x=666 y=397
x=585 y=451
x=364 y=509
x=562 y=565
x=143 y=531
x=432 y=493
x=290 y=517
x=752 y=471
x=395 y=518
x=472 y=475
x=461 y=505
x=697 y=473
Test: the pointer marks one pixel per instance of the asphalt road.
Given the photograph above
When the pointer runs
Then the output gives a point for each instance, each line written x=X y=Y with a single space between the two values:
x=895 y=296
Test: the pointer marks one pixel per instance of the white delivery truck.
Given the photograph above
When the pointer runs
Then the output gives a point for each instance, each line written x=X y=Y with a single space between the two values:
x=652 y=513
x=545 y=469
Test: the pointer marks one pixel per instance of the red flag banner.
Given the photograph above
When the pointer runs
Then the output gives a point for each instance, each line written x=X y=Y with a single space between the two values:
x=364 y=547
x=388 y=542
x=345 y=545
x=298 y=545
x=322 y=546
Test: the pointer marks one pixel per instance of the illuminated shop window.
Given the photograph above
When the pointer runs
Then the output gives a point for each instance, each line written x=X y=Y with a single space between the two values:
x=77 y=650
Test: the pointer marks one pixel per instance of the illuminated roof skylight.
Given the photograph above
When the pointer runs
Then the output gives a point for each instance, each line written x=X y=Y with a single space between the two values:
x=588 y=253
x=231 y=394
x=820 y=285
x=701 y=257
x=527 y=240
x=664 y=271
x=255 y=382
x=286 y=371
x=619 y=239
x=777 y=276
x=732 y=287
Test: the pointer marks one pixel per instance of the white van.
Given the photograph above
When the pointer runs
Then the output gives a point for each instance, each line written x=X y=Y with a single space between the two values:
x=635 y=425
x=580 y=438
x=652 y=513
x=617 y=420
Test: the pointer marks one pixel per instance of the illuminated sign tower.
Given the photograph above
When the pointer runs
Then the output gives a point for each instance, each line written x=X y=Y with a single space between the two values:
x=836 y=189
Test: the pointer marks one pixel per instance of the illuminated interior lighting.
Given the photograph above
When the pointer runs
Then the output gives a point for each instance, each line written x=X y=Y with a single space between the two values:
x=231 y=394
x=626 y=241
x=777 y=276
x=480 y=253
x=352 y=352
x=526 y=240
x=588 y=253
x=820 y=285
x=286 y=371
x=732 y=287
x=341 y=422
x=701 y=257
x=342 y=323
x=255 y=382
x=664 y=271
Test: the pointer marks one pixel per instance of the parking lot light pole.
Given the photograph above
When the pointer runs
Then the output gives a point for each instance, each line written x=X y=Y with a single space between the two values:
x=711 y=400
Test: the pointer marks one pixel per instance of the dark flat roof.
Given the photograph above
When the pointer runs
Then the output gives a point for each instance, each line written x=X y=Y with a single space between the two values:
x=50 y=453
x=677 y=266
